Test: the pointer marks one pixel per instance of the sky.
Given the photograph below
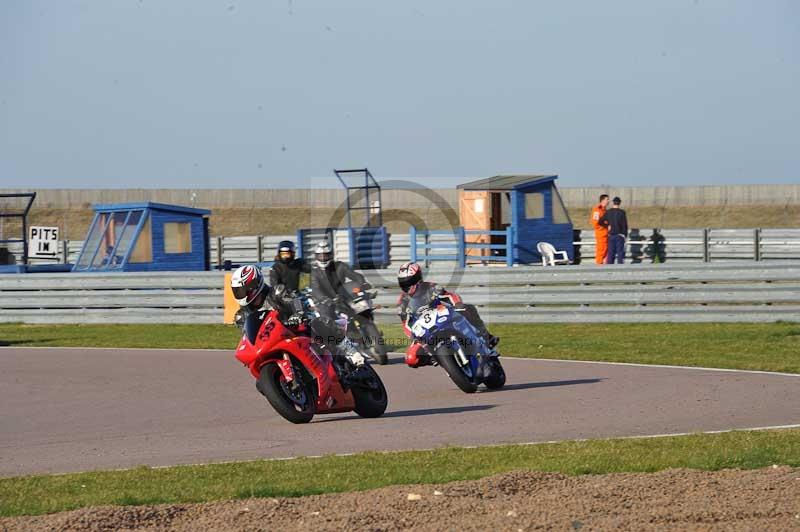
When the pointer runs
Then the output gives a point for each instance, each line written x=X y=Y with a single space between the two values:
x=239 y=94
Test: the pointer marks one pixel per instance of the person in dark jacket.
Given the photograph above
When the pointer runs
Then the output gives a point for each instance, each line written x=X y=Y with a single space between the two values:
x=617 y=222
x=287 y=269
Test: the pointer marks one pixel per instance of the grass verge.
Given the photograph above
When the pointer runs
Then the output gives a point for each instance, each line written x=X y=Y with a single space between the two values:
x=767 y=347
x=307 y=476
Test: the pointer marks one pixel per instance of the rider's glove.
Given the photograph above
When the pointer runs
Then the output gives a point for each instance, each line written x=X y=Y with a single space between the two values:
x=366 y=286
x=294 y=320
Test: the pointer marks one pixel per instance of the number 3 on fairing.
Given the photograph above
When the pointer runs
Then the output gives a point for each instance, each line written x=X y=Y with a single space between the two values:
x=425 y=322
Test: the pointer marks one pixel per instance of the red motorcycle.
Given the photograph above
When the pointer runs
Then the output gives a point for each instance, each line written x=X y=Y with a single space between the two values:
x=301 y=378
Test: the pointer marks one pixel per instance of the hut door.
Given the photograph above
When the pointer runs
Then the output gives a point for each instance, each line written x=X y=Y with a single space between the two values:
x=476 y=209
x=497 y=212
x=501 y=217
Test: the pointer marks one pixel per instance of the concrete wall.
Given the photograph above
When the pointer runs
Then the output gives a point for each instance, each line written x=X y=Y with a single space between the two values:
x=393 y=199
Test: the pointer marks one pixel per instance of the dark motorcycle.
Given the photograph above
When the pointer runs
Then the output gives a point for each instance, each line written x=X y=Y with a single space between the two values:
x=359 y=309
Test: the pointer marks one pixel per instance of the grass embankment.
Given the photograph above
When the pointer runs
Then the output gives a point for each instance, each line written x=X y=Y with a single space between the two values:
x=767 y=347
x=307 y=476
x=284 y=220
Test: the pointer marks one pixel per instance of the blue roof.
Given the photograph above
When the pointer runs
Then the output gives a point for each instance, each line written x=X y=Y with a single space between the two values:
x=116 y=207
x=507 y=182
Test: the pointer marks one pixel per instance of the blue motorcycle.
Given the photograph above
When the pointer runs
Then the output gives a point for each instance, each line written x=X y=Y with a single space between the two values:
x=456 y=346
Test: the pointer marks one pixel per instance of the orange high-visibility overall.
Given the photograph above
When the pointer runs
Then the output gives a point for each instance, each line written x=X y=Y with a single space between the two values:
x=600 y=235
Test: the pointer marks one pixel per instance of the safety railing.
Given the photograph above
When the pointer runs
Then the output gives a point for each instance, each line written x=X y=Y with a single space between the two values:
x=734 y=292
x=465 y=245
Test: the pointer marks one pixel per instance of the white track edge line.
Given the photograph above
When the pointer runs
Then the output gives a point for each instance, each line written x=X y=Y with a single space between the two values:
x=432 y=449
x=397 y=353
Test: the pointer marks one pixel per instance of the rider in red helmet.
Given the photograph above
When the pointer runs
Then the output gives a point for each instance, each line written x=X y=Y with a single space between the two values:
x=417 y=293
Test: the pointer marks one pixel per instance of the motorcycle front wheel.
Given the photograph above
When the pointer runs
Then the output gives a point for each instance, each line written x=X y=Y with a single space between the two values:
x=373 y=341
x=447 y=359
x=295 y=404
x=497 y=378
x=371 y=400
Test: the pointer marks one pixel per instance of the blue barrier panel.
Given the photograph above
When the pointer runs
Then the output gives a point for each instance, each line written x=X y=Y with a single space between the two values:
x=422 y=251
x=369 y=247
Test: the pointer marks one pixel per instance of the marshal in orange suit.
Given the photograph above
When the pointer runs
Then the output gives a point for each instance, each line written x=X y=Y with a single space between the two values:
x=600 y=231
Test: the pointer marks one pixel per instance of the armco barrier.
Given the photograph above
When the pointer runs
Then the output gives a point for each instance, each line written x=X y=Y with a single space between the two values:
x=678 y=246
x=735 y=292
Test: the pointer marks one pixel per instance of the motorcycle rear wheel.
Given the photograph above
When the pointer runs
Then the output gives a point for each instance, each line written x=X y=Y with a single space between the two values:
x=370 y=402
x=271 y=383
x=447 y=360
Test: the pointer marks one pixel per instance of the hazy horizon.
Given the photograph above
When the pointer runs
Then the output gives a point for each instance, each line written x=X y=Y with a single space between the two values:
x=244 y=94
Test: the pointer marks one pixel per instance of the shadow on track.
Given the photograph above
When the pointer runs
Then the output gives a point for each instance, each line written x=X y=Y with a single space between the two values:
x=529 y=385
x=8 y=343
x=419 y=412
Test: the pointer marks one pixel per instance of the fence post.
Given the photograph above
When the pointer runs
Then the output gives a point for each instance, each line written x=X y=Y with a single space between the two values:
x=509 y=246
x=412 y=243
x=757 y=244
x=65 y=251
x=461 y=247
x=260 y=250
x=426 y=248
x=300 y=243
x=706 y=247
x=219 y=252
x=351 y=243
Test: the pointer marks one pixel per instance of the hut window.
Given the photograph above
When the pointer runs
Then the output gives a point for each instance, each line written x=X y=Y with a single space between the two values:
x=177 y=237
x=143 y=249
x=534 y=205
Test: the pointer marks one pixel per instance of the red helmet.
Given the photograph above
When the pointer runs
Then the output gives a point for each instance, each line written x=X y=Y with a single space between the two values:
x=409 y=276
x=247 y=283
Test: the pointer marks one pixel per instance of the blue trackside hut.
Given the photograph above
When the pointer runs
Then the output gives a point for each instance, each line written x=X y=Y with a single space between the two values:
x=530 y=204
x=135 y=237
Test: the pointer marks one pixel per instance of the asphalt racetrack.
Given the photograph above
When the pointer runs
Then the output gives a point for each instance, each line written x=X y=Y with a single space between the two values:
x=84 y=409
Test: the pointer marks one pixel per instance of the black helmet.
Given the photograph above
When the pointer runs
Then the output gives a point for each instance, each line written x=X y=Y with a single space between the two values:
x=286 y=251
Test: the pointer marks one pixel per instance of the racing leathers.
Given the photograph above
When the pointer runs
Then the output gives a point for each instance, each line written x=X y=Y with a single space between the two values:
x=424 y=293
x=291 y=314
x=328 y=283
x=288 y=273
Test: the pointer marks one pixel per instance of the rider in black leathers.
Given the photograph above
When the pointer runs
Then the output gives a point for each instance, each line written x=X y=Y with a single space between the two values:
x=328 y=278
x=287 y=269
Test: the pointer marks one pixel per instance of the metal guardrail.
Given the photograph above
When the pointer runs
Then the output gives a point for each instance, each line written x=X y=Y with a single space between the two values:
x=753 y=292
x=679 y=245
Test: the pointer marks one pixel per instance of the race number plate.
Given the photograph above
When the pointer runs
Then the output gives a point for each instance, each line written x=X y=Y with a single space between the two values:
x=426 y=320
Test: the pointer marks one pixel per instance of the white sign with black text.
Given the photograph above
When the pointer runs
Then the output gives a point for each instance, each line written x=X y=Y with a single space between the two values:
x=42 y=242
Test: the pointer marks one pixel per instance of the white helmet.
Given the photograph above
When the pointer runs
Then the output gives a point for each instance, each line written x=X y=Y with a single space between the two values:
x=323 y=254
x=247 y=282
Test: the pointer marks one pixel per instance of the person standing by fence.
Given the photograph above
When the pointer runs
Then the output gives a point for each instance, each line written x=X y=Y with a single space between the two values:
x=600 y=230
x=617 y=222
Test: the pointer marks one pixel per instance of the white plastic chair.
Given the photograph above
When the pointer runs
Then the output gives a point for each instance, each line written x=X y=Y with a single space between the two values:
x=548 y=253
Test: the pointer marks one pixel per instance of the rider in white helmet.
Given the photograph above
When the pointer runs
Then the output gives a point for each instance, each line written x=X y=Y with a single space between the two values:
x=328 y=277
x=256 y=298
